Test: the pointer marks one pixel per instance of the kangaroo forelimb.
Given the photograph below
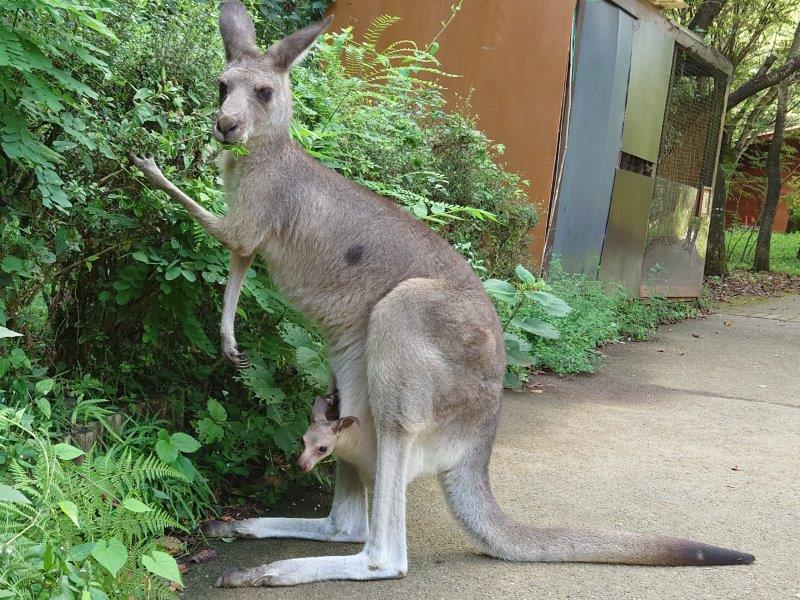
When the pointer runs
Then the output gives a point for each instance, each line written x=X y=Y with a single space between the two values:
x=212 y=223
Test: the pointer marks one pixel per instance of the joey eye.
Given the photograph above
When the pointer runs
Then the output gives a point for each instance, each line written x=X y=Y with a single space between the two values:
x=223 y=91
x=322 y=449
x=264 y=94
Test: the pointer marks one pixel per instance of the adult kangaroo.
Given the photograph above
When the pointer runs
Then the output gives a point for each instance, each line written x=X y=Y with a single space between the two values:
x=416 y=346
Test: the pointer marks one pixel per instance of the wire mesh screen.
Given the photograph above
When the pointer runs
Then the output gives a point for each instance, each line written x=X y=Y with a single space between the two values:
x=678 y=228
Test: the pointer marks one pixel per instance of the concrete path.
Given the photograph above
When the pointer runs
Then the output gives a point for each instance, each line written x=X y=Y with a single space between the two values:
x=696 y=433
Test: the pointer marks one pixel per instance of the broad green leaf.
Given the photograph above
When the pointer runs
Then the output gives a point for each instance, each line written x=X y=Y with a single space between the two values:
x=511 y=381
x=209 y=430
x=524 y=275
x=185 y=466
x=285 y=439
x=217 y=411
x=500 y=289
x=44 y=386
x=136 y=505
x=536 y=327
x=111 y=554
x=17 y=357
x=67 y=451
x=9 y=494
x=71 y=510
x=184 y=442
x=7 y=333
x=11 y=264
x=44 y=406
x=166 y=451
x=162 y=564
x=552 y=305
x=172 y=273
x=98 y=594
x=81 y=552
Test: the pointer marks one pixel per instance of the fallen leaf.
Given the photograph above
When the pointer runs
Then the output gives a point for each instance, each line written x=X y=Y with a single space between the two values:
x=204 y=556
x=171 y=544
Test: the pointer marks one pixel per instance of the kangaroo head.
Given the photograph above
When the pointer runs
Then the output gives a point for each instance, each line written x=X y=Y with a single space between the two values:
x=255 y=94
x=323 y=434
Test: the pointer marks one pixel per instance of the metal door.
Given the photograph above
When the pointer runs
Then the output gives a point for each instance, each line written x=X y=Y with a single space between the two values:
x=594 y=137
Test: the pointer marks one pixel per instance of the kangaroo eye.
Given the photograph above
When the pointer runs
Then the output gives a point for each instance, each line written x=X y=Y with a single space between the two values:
x=264 y=94
x=223 y=91
x=323 y=449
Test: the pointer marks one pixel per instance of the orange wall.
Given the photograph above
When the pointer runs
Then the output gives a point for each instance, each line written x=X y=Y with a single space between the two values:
x=513 y=53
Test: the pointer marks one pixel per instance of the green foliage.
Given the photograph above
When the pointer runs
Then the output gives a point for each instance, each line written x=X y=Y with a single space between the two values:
x=784 y=248
x=521 y=306
x=83 y=529
x=120 y=291
x=601 y=314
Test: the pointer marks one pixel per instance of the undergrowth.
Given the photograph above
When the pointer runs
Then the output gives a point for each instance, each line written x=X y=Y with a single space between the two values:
x=784 y=249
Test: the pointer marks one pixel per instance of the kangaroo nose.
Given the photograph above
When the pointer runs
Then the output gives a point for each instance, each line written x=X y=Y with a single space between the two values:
x=226 y=125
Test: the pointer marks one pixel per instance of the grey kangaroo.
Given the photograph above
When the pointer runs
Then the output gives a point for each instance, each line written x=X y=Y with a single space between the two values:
x=415 y=345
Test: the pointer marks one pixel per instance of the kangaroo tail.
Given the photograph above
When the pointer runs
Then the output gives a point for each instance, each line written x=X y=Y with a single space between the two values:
x=470 y=497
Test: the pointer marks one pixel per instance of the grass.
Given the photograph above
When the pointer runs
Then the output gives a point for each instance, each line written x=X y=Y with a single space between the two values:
x=599 y=316
x=783 y=251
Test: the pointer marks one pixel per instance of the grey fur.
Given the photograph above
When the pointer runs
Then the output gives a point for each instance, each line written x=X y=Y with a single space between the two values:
x=416 y=348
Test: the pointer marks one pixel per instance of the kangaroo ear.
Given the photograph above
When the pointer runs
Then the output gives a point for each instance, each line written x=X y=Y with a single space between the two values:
x=321 y=405
x=289 y=51
x=344 y=423
x=238 y=33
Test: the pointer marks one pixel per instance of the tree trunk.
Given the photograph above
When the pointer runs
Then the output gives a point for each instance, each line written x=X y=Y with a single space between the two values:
x=774 y=183
x=716 y=255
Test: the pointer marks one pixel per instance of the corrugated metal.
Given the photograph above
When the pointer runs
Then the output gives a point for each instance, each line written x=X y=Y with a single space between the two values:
x=595 y=135
x=511 y=56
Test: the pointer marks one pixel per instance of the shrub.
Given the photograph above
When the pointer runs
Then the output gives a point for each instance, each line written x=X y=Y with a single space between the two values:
x=116 y=288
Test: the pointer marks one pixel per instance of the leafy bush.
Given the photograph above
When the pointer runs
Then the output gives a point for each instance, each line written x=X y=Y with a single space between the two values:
x=600 y=314
x=515 y=305
x=116 y=292
x=85 y=529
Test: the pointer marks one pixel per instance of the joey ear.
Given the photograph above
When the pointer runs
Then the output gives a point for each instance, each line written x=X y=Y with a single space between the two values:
x=321 y=405
x=238 y=33
x=344 y=423
x=286 y=53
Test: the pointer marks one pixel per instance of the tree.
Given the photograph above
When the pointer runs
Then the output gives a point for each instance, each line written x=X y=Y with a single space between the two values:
x=774 y=179
x=749 y=33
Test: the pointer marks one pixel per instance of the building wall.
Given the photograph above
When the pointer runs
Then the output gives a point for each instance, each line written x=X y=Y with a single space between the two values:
x=512 y=58
x=746 y=194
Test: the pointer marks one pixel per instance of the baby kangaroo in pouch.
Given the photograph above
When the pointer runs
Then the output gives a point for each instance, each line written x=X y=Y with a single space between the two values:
x=325 y=434
x=415 y=345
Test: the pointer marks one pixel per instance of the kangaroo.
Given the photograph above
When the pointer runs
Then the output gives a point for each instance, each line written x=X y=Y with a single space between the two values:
x=325 y=433
x=415 y=344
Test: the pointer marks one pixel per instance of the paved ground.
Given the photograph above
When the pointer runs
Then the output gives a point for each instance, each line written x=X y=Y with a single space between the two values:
x=696 y=433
